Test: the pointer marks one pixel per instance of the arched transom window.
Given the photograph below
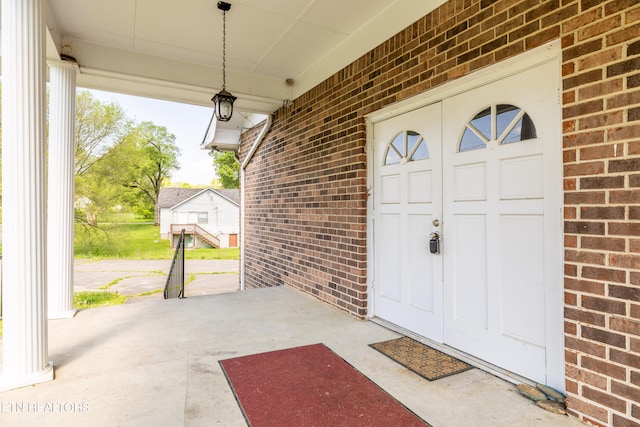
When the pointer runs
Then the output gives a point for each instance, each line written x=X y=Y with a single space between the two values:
x=503 y=123
x=407 y=146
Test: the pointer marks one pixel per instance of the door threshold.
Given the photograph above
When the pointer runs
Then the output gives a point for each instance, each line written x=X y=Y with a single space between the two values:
x=453 y=352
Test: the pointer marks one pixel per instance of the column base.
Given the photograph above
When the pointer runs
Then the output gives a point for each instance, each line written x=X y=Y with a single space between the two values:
x=63 y=314
x=9 y=382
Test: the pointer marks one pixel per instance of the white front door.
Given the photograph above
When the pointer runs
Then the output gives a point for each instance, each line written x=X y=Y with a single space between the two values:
x=502 y=216
x=408 y=202
x=493 y=185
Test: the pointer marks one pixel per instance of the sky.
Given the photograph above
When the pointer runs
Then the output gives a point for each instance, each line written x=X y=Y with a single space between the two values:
x=187 y=122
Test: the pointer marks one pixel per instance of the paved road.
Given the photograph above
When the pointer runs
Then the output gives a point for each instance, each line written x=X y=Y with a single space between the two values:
x=135 y=277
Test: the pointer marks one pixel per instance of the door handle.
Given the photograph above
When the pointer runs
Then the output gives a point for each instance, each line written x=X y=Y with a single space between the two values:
x=434 y=243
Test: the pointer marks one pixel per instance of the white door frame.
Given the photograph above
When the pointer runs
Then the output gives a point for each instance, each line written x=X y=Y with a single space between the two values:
x=550 y=52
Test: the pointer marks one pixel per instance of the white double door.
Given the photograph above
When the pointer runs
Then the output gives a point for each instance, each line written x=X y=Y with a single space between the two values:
x=494 y=290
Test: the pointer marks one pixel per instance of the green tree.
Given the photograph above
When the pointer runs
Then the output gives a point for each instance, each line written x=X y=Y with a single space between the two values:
x=216 y=184
x=151 y=155
x=99 y=128
x=227 y=168
x=100 y=190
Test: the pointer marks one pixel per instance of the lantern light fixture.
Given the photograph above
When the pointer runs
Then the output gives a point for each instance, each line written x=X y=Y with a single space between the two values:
x=223 y=100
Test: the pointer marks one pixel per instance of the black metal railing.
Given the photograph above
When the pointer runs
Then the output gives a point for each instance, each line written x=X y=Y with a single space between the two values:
x=174 y=288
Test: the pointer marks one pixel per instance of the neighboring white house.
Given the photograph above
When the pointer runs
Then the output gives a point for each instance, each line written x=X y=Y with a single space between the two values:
x=209 y=217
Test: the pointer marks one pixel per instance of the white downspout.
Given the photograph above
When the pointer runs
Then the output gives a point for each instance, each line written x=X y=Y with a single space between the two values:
x=244 y=165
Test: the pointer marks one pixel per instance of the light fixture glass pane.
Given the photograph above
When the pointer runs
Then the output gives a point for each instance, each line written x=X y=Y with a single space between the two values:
x=226 y=109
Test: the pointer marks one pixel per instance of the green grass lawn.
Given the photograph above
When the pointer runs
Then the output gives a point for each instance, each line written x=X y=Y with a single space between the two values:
x=90 y=299
x=134 y=240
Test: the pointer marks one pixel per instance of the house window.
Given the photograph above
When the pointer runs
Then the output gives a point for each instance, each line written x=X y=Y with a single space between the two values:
x=503 y=123
x=203 y=217
x=407 y=146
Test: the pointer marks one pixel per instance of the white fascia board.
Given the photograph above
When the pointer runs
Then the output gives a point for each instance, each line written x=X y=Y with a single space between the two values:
x=118 y=70
x=225 y=198
x=167 y=91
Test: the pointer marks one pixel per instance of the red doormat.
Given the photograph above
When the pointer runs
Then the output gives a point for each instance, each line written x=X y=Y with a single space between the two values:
x=310 y=386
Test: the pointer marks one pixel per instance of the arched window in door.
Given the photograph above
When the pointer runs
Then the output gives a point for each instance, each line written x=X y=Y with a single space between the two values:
x=503 y=123
x=407 y=146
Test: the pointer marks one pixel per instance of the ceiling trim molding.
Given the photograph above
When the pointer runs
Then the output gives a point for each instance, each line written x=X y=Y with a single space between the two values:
x=168 y=90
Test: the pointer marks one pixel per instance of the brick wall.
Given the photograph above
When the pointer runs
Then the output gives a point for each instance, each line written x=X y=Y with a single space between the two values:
x=305 y=221
x=601 y=70
x=306 y=187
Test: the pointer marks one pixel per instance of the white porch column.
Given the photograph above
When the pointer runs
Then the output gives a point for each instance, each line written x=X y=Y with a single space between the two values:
x=24 y=244
x=62 y=110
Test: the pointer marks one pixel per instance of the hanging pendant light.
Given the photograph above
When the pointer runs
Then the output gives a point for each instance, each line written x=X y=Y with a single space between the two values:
x=223 y=100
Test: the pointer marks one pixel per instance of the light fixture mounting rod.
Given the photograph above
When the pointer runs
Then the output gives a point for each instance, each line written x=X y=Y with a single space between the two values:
x=224 y=7
x=223 y=100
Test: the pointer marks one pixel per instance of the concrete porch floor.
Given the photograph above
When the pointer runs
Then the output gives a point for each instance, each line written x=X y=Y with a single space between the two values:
x=156 y=364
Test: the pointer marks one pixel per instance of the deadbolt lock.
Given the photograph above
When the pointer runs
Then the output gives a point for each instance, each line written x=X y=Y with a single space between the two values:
x=434 y=243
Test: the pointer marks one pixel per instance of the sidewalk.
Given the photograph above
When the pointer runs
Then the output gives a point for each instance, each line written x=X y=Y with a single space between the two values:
x=136 y=277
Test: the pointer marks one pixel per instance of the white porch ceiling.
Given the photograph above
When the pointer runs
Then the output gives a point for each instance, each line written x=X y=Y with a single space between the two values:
x=172 y=50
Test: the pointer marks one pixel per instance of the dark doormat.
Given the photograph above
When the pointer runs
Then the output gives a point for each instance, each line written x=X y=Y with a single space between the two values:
x=310 y=386
x=425 y=361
